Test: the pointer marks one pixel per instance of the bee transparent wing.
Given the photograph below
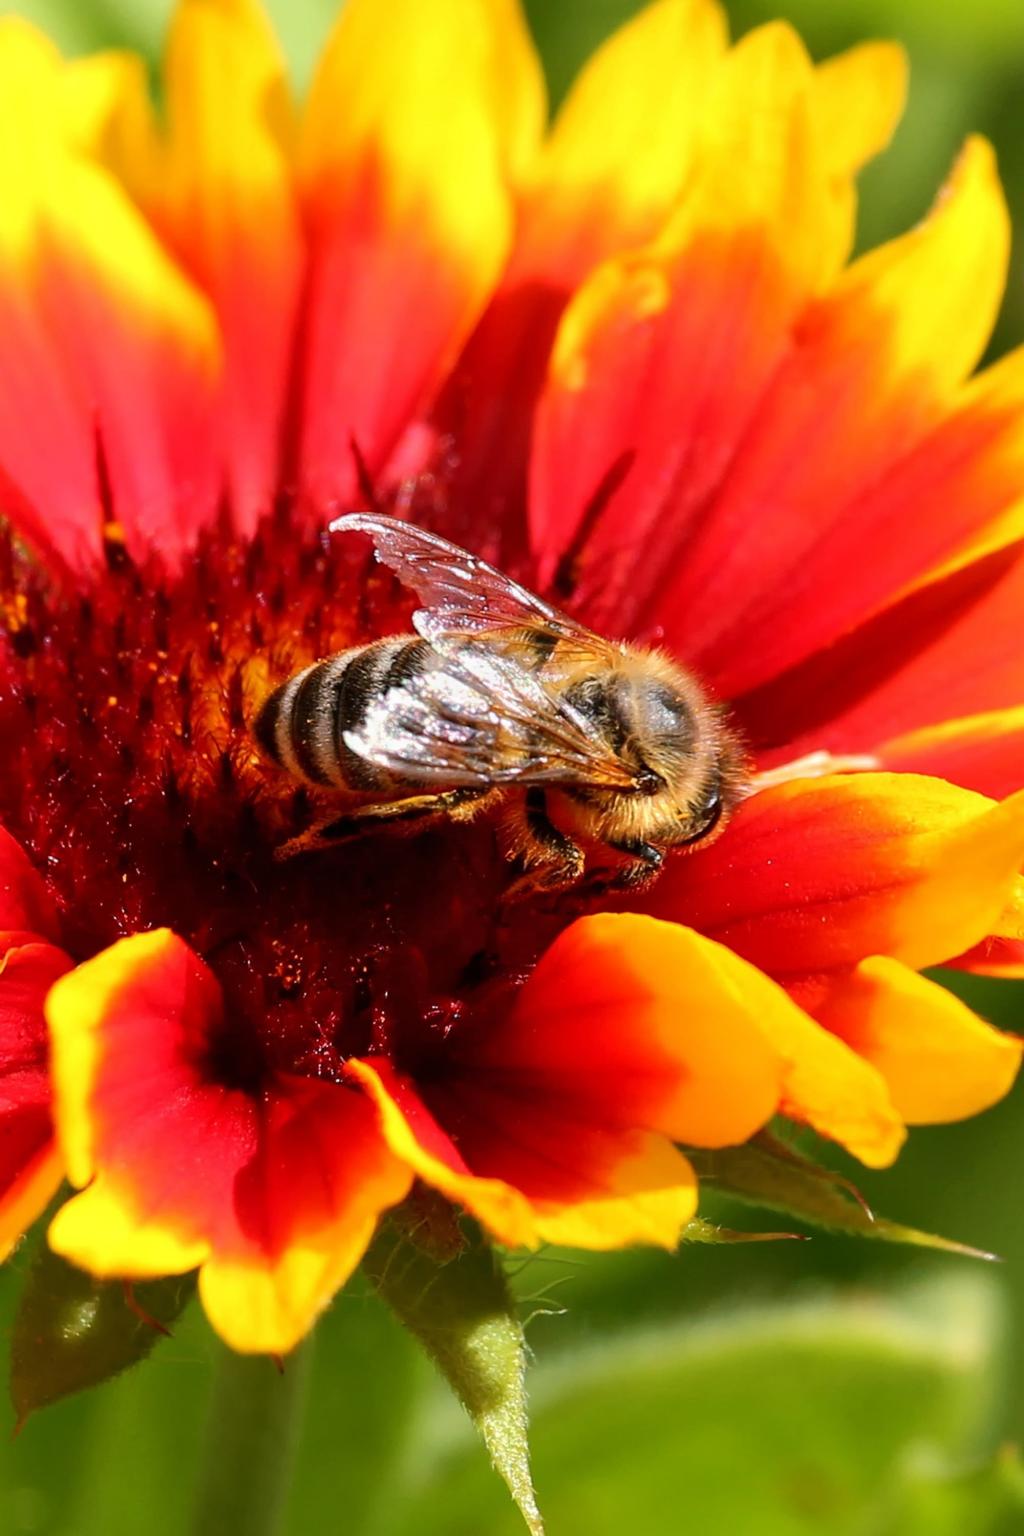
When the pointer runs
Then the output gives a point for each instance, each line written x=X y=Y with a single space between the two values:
x=440 y=728
x=479 y=718
x=484 y=717
x=462 y=595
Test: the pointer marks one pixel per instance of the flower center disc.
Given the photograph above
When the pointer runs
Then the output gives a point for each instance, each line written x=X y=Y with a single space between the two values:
x=132 y=777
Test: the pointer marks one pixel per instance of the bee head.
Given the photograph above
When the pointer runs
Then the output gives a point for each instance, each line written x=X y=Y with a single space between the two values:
x=687 y=762
x=647 y=782
x=704 y=817
x=659 y=730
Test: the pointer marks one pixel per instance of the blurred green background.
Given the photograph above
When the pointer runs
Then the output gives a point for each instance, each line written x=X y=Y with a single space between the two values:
x=829 y=1388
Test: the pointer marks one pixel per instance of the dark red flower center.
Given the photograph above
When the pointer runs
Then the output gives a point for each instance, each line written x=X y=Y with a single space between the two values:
x=131 y=776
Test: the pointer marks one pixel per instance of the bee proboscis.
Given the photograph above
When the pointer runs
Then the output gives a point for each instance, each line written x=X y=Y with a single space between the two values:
x=499 y=699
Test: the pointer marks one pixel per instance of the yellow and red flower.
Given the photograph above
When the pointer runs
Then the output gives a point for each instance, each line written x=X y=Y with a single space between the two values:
x=629 y=359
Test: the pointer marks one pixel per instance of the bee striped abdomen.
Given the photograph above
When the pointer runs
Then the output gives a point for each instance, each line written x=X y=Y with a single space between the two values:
x=302 y=724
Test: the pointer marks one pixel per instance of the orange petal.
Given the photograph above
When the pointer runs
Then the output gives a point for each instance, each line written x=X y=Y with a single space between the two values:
x=129 y=1031
x=832 y=1089
x=859 y=99
x=958 y=254
x=1010 y=923
x=95 y=92
x=605 y=181
x=1002 y=958
x=144 y=354
x=229 y=209
x=108 y=1230
x=110 y=338
x=410 y=212
x=817 y=875
x=28 y=1194
x=413 y=1135
x=948 y=650
x=633 y=1022
x=307 y=1207
x=651 y=1024
x=110 y=117
x=532 y=1172
x=664 y=354
x=955 y=496
x=47 y=470
x=876 y=366
x=612 y=170
x=983 y=752
x=940 y=1060
x=976 y=458
x=649 y=1196
x=554 y=1120
x=275 y=1192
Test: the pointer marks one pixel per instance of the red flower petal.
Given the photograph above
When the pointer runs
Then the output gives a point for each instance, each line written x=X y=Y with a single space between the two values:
x=47 y=454
x=409 y=212
x=222 y=193
x=112 y=343
x=307 y=1205
x=33 y=1182
x=276 y=1195
x=47 y=450
x=631 y=1022
x=143 y=348
x=958 y=486
x=605 y=180
x=1003 y=958
x=665 y=353
x=554 y=1121
x=611 y=171
x=30 y=1167
x=820 y=874
x=25 y=905
x=983 y=752
x=650 y=1024
x=534 y=1172
x=875 y=368
x=949 y=650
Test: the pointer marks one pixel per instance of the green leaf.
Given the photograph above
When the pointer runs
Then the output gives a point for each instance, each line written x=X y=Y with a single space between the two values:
x=369 y=1380
x=462 y=1312
x=252 y=1432
x=567 y=34
x=80 y=28
x=782 y=1421
x=985 y=1500
x=767 y=1173
x=73 y=1332
x=700 y=1231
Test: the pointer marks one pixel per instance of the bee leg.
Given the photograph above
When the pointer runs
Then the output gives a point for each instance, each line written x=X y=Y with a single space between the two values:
x=553 y=860
x=645 y=864
x=458 y=804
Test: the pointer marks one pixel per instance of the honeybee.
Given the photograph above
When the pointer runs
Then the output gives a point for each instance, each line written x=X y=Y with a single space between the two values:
x=500 y=699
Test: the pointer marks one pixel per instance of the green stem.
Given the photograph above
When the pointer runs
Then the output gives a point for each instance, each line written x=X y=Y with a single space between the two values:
x=250 y=1442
